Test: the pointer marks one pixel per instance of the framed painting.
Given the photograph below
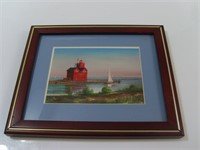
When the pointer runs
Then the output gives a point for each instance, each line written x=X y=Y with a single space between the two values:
x=102 y=81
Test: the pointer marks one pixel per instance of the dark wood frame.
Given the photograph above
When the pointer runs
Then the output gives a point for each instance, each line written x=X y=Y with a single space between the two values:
x=172 y=128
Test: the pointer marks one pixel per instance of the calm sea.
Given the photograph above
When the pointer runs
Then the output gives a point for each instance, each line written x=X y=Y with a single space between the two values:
x=63 y=89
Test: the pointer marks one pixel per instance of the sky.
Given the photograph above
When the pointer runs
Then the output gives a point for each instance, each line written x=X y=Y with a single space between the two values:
x=121 y=61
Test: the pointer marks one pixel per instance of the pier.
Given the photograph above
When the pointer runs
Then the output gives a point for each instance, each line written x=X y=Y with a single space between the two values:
x=70 y=82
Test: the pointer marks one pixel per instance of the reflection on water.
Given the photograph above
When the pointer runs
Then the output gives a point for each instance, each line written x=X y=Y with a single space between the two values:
x=76 y=88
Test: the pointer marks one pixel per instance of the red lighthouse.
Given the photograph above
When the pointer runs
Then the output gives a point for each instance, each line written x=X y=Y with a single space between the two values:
x=77 y=73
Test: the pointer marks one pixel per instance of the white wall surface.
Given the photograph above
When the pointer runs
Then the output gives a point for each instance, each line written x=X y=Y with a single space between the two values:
x=181 y=21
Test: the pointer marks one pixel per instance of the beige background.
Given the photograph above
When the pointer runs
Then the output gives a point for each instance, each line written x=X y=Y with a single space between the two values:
x=180 y=19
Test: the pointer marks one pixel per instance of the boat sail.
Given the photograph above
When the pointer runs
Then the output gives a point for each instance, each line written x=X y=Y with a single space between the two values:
x=110 y=80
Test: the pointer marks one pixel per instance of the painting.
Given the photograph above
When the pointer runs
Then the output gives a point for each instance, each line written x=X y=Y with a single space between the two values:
x=95 y=75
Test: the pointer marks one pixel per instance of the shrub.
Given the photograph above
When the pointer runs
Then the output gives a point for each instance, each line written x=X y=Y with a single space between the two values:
x=87 y=91
x=69 y=90
x=132 y=88
x=106 y=90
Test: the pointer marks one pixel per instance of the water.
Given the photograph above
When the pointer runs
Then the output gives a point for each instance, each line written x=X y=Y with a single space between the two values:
x=63 y=89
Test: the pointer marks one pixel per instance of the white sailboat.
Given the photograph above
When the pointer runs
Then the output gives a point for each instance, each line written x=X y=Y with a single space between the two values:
x=110 y=80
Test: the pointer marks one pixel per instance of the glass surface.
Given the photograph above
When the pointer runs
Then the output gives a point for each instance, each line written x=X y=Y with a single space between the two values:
x=95 y=75
x=152 y=110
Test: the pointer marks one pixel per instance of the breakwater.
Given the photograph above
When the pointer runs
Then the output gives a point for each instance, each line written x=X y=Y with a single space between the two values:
x=70 y=82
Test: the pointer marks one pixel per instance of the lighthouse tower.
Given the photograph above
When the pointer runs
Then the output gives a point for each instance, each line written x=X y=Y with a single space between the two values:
x=77 y=73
